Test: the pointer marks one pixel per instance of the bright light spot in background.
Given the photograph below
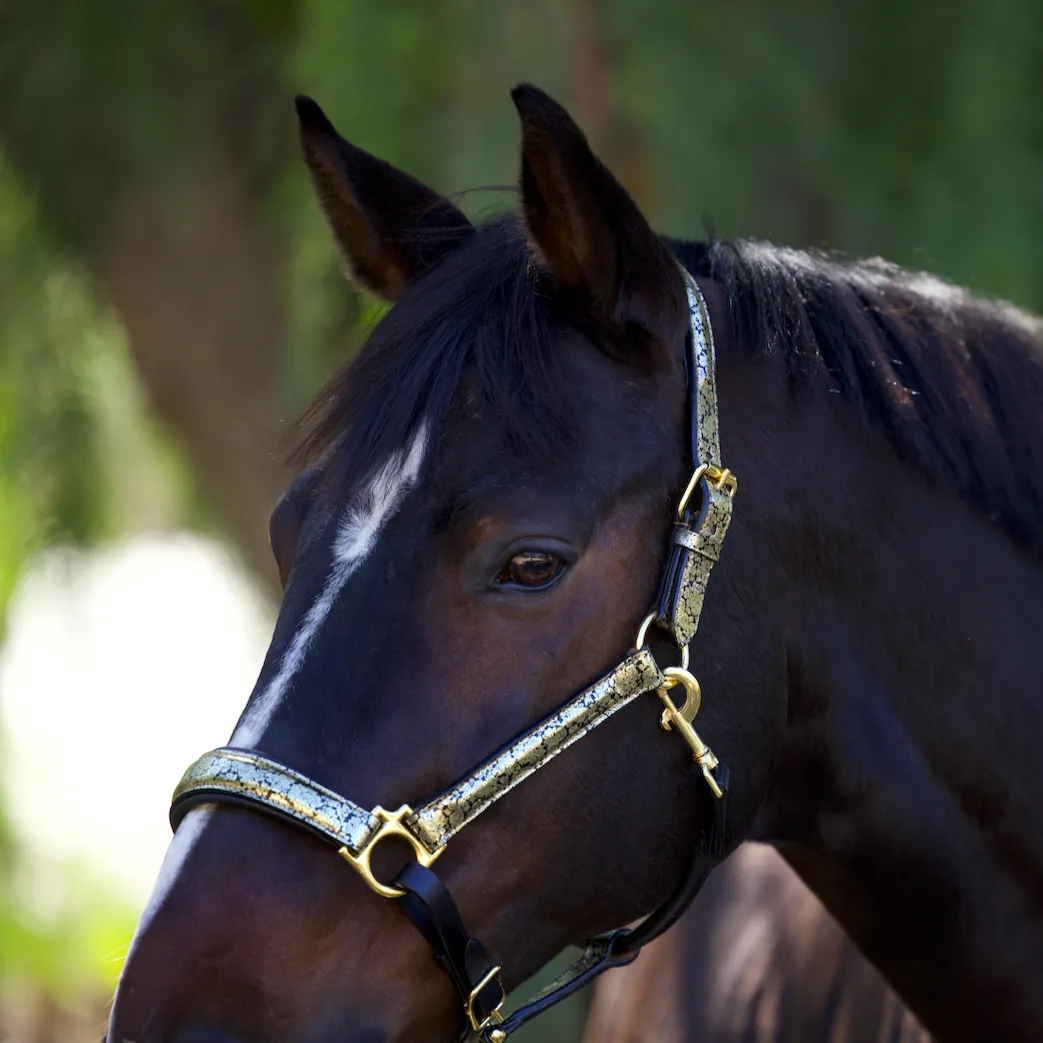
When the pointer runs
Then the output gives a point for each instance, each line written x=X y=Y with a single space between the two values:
x=120 y=667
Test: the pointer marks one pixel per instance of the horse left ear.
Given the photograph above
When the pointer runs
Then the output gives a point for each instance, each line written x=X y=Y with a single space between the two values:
x=390 y=228
x=588 y=231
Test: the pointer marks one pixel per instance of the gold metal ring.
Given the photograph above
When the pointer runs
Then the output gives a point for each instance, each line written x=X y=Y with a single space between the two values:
x=392 y=824
x=642 y=631
x=642 y=634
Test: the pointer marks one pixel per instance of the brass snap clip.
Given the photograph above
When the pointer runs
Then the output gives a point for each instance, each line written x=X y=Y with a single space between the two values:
x=392 y=824
x=682 y=718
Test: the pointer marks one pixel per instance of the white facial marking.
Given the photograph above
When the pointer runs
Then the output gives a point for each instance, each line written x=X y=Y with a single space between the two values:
x=356 y=536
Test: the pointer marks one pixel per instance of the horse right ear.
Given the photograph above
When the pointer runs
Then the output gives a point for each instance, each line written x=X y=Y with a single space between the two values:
x=587 y=231
x=390 y=228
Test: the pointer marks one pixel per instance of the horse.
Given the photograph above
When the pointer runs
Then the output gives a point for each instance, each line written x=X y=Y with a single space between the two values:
x=519 y=468
x=756 y=959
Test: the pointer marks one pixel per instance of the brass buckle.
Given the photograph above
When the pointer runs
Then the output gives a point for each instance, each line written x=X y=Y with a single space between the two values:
x=494 y=1017
x=721 y=477
x=392 y=824
x=682 y=718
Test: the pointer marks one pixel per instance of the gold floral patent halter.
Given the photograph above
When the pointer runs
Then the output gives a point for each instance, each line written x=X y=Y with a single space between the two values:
x=242 y=776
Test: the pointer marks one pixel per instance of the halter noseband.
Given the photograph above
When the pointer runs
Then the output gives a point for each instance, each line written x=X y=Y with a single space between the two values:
x=244 y=777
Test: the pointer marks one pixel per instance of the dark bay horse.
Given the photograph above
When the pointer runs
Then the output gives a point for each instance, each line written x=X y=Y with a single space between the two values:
x=757 y=959
x=487 y=500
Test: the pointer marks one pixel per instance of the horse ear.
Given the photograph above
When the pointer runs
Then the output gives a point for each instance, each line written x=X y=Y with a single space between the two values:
x=587 y=230
x=389 y=227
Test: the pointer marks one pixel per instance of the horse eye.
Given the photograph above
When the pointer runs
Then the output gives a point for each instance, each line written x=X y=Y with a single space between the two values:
x=531 y=570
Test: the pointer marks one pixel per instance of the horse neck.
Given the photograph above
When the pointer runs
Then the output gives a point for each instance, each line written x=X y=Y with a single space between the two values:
x=907 y=789
x=756 y=959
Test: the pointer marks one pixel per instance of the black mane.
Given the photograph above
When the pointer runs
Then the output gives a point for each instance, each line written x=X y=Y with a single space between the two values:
x=955 y=382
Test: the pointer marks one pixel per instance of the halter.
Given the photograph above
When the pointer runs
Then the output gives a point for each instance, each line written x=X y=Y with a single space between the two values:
x=243 y=777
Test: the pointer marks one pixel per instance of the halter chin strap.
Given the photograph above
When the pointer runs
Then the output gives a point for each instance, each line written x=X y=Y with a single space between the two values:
x=245 y=777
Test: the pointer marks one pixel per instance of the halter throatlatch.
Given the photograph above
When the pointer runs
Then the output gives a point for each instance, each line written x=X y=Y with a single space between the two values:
x=244 y=777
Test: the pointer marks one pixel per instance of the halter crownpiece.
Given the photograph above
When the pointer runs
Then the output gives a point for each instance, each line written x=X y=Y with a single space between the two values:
x=695 y=548
x=245 y=777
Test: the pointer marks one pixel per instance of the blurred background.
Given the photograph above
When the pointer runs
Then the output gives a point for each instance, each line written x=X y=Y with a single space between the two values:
x=169 y=299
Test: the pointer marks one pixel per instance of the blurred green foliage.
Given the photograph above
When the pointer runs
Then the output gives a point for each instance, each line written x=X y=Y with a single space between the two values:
x=47 y=444
x=71 y=424
x=910 y=130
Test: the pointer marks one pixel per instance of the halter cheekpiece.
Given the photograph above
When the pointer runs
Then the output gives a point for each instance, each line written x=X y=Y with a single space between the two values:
x=244 y=777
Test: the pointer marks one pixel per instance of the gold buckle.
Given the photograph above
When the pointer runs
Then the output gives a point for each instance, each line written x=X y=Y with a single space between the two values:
x=494 y=1017
x=392 y=824
x=721 y=477
x=681 y=719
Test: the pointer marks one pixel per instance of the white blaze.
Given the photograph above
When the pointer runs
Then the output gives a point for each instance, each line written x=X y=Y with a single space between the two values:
x=356 y=536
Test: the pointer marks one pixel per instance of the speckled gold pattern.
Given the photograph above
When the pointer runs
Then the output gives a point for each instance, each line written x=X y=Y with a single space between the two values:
x=593 y=953
x=696 y=550
x=436 y=822
x=702 y=550
x=249 y=776
x=707 y=436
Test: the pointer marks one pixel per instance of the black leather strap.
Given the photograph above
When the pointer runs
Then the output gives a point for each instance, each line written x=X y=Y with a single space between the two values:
x=601 y=954
x=707 y=856
x=691 y=367
x=430 y=906
x=622 y=947
x=428 y=903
